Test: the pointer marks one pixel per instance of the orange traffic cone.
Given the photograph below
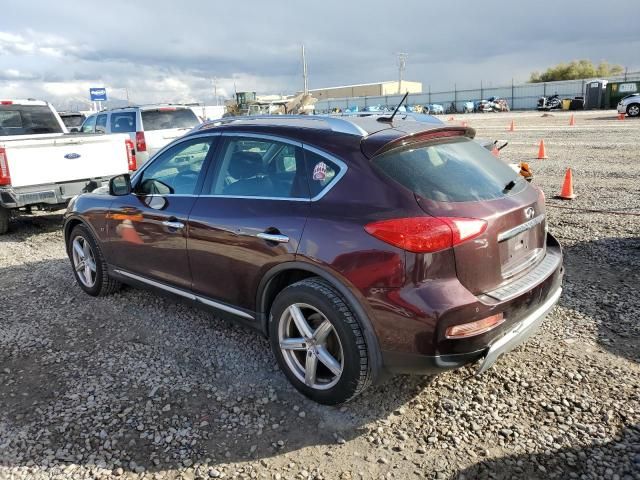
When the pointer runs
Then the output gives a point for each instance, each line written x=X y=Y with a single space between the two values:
x=512 y=127
x=542 y=154
x=464 y=124
x=495 y=151
x=567 y=187
x=621 y=116
x=572 y=121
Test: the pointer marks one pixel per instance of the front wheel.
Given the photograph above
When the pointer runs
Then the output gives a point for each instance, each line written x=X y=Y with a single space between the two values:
x=319 y=343
x=89 y=265
x=633 y=110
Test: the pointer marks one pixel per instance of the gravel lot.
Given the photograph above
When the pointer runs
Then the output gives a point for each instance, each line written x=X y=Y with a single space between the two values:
x=139 y=386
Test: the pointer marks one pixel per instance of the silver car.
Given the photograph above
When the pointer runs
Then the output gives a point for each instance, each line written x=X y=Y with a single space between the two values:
x=630 y=105
x=150 y=127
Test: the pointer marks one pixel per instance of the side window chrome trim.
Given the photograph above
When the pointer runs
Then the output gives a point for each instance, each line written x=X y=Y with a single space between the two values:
x=263 y=136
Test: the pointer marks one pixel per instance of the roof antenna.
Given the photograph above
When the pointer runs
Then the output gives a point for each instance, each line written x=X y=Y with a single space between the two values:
x=390 y=119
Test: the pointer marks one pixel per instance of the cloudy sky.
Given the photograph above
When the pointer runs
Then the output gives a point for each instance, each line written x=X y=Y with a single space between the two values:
x=171 y=51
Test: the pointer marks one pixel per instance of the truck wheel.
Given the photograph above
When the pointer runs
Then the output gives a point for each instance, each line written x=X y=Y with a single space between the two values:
x=4 y=220
x=89 y=265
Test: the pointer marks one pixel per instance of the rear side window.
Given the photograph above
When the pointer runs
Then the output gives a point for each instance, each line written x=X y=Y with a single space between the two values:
x=320 y=171
x=453 y=171
x=166 y=118
x=123 y=122
x=27 y=120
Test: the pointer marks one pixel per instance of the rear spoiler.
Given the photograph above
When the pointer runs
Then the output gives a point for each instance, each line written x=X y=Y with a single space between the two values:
x=426 y=136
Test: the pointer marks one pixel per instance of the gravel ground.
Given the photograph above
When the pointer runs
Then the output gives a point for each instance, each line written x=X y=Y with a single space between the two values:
x=139 y=386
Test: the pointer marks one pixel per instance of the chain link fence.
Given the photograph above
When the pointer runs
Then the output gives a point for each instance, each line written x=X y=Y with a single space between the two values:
x=520 y=97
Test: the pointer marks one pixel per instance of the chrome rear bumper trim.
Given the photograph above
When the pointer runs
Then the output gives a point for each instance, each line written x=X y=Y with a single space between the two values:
x=523 y=330
x=539 y=273
x=523 y=227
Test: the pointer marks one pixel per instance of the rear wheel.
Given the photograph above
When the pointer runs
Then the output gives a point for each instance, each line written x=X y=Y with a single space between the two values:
x=633 y=110
x=4 y=220
x=89 y=265
x=319 y=343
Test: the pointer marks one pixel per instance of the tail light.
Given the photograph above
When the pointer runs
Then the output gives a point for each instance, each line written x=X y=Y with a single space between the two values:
x=426 y=234
x=6 y=102
x=141 y=143
x=131 y=155
x=5 y=177
x=472 y=329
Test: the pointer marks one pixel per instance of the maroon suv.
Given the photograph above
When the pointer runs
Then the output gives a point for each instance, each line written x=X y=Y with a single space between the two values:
x=358 y=245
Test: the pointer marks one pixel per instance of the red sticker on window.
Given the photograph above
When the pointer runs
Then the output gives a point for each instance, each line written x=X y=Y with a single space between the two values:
x=320 y=171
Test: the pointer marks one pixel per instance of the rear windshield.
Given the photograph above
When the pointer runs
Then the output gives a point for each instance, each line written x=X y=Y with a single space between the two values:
x=123 y=122
x=27 y=120
x=454 y=171
x=72 y=120
x=166 y=118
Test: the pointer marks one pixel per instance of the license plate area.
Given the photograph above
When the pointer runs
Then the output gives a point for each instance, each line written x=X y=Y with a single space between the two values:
x=521 y=251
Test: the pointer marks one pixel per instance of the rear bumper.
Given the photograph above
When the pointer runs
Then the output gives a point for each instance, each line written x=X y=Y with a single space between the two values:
x=413 y=338
x=53 y=194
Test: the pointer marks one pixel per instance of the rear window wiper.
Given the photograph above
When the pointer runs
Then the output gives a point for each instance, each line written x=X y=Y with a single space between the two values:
x=509 y=186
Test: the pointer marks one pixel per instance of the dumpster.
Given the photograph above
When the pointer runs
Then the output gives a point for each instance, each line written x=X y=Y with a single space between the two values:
x=566 y=103
x=616 y=91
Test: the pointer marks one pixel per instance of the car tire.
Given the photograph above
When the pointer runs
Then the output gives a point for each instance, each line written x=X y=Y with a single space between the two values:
x=88 y=264
x=4 y=220
x=332 y=379
x=633 y=110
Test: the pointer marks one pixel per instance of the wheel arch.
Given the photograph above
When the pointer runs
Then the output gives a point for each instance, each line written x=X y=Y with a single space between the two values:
x=285 y=274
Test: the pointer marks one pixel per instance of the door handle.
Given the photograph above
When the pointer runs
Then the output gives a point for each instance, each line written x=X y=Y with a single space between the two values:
x=273 y=237
x=174 y=225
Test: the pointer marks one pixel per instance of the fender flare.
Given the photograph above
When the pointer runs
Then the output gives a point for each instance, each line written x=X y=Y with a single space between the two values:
x=373 y=346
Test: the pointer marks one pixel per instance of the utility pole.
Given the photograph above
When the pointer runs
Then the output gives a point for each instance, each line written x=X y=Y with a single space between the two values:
x=215 y=89
x=402 y=64
x=304 y=73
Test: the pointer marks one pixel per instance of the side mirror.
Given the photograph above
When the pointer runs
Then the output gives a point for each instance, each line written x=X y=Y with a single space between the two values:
x=120 y=185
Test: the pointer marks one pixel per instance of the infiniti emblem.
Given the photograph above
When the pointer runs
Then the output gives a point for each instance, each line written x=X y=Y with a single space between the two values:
x=529 y=212
x=72 y=156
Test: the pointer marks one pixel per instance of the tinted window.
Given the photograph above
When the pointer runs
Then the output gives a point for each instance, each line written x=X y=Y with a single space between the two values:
x=261 y=168
x=72 y=120
x=176 y=171
x=27 y=120
x=455 y=171
x=123 y=122
x=165 y=118
x=320 y=172
x=89 y=125
x=101 y=123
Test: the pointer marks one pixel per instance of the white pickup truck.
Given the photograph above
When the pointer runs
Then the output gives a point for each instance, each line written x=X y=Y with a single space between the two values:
x=43 y=166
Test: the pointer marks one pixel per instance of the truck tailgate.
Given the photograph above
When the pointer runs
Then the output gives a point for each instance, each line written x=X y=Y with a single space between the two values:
x=65 y=158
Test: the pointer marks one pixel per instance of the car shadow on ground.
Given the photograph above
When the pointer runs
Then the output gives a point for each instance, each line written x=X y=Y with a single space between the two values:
x=23 y=226
x=579 y=462
x=602 y=283
x=139 y=381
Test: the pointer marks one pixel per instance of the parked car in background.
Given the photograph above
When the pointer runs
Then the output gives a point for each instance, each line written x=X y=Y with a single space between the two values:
x=72 y=120
x=150 y=127
x=467 y=107
x=43 y=166
x=630 y=105
x=435 y=109
x=357 y=244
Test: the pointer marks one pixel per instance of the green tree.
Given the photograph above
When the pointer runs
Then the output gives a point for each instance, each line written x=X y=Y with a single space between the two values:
x=575 y=70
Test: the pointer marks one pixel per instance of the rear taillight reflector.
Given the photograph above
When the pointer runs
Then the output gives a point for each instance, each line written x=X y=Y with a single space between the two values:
x=131 y=155
x=6 y=102
x=141 y=143
x=5 y=176
x=426 y=234
x=472 y=329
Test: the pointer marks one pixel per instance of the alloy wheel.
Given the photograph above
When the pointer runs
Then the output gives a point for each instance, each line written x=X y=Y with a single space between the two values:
x=84 y=261
x=634 y=110
x=310 y=346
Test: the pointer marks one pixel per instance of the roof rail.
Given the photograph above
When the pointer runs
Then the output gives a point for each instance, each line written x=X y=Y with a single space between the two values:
x=336 y=124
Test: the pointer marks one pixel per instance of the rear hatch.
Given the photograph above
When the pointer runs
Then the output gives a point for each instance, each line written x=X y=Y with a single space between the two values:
x=457 y=177
x=163 y=124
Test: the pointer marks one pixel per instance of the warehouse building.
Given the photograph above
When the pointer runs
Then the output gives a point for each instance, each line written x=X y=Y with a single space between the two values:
x=366 y=90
